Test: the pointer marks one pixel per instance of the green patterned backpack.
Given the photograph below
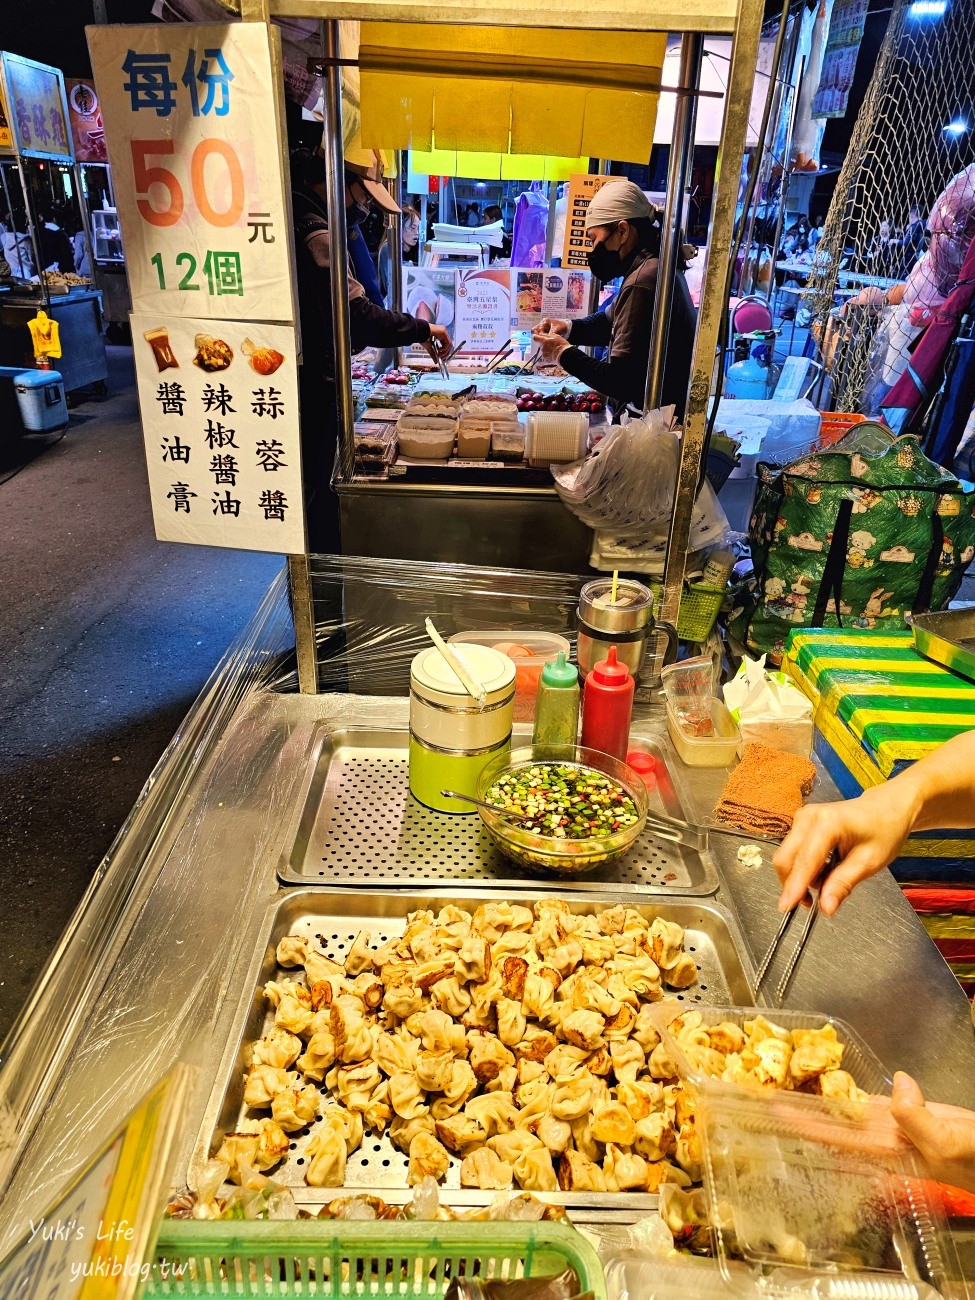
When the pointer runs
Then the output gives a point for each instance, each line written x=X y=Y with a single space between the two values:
x=856 y=536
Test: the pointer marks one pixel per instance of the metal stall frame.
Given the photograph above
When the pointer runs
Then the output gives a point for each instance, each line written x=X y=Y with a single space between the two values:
x=373 y=506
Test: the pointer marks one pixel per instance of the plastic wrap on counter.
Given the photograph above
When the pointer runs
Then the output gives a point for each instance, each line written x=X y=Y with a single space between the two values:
x=149 y=970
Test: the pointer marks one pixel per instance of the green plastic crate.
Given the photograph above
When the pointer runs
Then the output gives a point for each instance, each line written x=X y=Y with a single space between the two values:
x=341 y=1260
x=699 y=609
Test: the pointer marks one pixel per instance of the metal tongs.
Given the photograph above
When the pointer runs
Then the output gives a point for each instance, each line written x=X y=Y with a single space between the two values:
x=811 y=915
x=674 y=831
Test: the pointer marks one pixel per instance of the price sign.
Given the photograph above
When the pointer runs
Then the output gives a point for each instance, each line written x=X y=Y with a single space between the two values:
x=582 y=190
x=192 y=118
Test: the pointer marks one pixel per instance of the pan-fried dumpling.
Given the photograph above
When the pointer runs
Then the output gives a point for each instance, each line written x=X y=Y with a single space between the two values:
x=505 y=1081
x=295 y=1107
x=511 y=1146
x=617 y=987
x=566 y=957
x=688 y=1152
x=402 y=999
x=555 y=1133
x=583 y=1029
x=278 y=1048
x=428 y=1159
x=513 y=971
x=406 y=1096
x=326 y=1154
x=812 y=1058
x=511 y=943
x=587 y=994
x=426 y=946
x=579 y=1174
x=461 y=1084
x=292 y=950
x=347 y=1123
x=473 y=960
x=614 y=1123
x=292 y=1015
x=238 y=1153
x=573 y=1096
x=403 y=1131
x=485 y=997
x=320 y=967
x=318 y=1056
x=360 y=955
x=726 y=1037
x=434 y=1070
x=272 y=1142
x=536 y=1045
x=661 y=1064
x=596 y=948
x=378 y=1112
x=527 y=1071
x=639 y=1097
x=533 y=1169
x=666 y=942
x=538 y=998
x=484 y=1168
x=438 y=1033
x=487 y=1056
x=369 y=990
x=494 y=1111
x=277 y=990
x=645 y=1030
x=682 y=974
x=628 y=1060
x=583 y=1139
x=396 y=1051
x=838 y=1084
x=355 y=1084
x=772 y=1069
x=564 y=1061
x=511 y=1021
x=642 y=975
x=624 y=1171
x=706 y=1060
x=461 y=1134
x=492 y=919
x=760 y=1029
x=619 y=1027
x=451 y=996
x=534 y=1101
x=264 y=1082
x=655 y=1137
x=359 y=1044
x=662 y=1171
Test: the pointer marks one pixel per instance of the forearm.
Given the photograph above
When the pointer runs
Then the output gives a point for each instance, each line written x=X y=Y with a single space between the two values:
x=617 y=378
x=373 y=326
x=939 y=789
x=591 y=331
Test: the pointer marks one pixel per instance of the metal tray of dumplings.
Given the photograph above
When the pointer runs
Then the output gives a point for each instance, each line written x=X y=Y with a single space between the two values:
x=359 y=826
x=334 y=917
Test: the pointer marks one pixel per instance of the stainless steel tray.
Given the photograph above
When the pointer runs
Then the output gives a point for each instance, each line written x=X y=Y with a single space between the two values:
x=948 y=638
x=360 y=826
x=334 y=917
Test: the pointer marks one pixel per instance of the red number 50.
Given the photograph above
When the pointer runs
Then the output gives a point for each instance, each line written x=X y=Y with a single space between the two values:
x=145 y=175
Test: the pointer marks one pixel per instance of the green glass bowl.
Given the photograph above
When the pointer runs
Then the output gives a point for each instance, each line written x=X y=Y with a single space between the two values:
x=546 y=853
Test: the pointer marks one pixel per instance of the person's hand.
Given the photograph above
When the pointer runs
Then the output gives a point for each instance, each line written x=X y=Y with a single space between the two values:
x=552 y=343
x=866 y=832
x=439 y=343
x=550 y=325
x=944 y=1135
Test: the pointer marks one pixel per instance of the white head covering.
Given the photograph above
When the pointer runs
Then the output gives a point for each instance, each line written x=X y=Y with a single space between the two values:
x=619 y=200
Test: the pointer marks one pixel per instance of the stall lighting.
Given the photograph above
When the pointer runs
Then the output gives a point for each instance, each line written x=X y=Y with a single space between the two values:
x=958 y=127
x=927 y=8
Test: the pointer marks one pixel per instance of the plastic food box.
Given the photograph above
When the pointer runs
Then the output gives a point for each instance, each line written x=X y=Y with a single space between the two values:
x=716 y=750
x=338 y=1259
x=803 y=1189
x=542 y=647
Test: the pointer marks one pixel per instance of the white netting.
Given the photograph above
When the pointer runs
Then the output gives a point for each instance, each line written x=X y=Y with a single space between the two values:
x=901 y=159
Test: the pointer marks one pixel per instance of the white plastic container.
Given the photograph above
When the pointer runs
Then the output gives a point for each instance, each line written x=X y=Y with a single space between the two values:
x=716 y=750
x=556 y=437
x=451 y=737
x=543 y=648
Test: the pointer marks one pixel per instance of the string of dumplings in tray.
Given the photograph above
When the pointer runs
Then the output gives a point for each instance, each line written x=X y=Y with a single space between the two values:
x=518 y=1044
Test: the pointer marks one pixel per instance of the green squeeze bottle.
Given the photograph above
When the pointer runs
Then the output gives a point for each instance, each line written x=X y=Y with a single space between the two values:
x=557 y=704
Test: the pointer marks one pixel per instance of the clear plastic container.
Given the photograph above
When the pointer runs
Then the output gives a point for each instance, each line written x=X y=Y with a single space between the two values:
x=529 y=651
x=805 y=1190
x=715 y=750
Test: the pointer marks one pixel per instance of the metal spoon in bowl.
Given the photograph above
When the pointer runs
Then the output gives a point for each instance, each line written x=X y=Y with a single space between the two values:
x=491 y=807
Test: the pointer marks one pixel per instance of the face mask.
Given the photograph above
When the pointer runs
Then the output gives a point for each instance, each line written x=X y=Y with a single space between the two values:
x=356 y=213
x=605 y=263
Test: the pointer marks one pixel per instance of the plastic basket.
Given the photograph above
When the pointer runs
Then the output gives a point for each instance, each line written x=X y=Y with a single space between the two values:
x=699 y=609
x=338 y=1259
x=835 y=425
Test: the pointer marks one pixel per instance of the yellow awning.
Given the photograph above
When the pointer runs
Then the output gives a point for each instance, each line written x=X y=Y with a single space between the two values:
x=496 y=166
x=523 y=91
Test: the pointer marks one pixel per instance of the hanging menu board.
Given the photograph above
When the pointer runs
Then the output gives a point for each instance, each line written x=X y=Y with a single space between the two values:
x=582 y=190
x=846 y=26
x=188 y=111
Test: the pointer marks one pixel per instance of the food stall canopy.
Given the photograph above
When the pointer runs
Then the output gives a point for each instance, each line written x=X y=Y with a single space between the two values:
x=715 y=68
x=496 y=166
x=516 y=90
x=605 y=15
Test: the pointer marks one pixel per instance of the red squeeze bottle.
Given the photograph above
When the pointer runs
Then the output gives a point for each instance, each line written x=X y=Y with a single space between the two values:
x=607 y=707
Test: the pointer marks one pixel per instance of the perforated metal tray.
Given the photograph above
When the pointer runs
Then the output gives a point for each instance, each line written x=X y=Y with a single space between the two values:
x=360 y=826
x=334 y=917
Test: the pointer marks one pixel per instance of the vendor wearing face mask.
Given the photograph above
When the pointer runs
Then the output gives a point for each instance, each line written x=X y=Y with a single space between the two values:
x=370 y=324
x=624 y=229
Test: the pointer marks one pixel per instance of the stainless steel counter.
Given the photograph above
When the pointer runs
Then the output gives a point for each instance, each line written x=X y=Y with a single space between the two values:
x=168 y=984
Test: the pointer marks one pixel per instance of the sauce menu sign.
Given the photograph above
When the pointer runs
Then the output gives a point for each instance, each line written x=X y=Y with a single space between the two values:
x=191 y=116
